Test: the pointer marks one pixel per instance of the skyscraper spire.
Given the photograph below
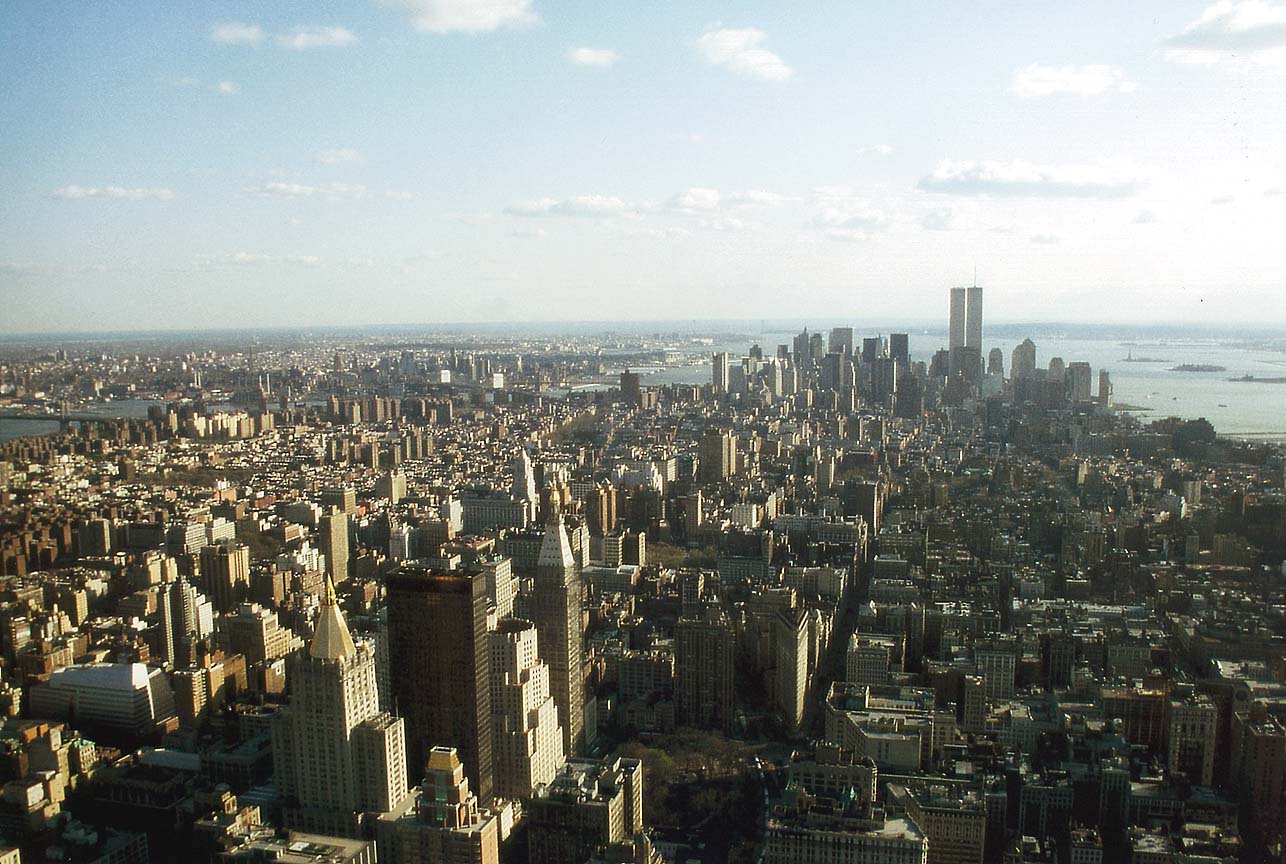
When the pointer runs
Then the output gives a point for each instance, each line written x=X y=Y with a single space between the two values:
x=331 y=639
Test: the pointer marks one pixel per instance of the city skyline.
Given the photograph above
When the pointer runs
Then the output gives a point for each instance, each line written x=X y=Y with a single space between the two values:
x=516 y=161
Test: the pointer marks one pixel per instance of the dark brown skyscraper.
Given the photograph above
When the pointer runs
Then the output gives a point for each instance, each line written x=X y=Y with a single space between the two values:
x=556 y=610
x=441 y=668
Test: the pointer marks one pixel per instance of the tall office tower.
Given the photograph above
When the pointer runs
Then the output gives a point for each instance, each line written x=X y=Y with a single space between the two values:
x=1193 y=740
x=790 y=657
x=718 y=455
x=998 y=667
x=1057 y=370
x=524 y=478
x=1104 y=388
x=391 y=485
x=803 y=349
x=900 y=347
x=816 y=347
x=600 y=509
x=1022 y=363
x=956 y=332
x=973 y=318
x=185 y=615
x=445 y=825
x=555 y=607
x=225 y=573
x=332 y=539
x=1080 y=381
x=528 y=748
x=335 y=754
x=996 y=363
x=841 y=341
x=705 y=648
x=872 y=349
x=1259 y=769
x=342 y=498
x=630 y=391
x=437 y=629
x=719 y=373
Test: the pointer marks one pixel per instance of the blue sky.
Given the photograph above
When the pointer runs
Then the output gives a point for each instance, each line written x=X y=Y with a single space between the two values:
x=224 y=164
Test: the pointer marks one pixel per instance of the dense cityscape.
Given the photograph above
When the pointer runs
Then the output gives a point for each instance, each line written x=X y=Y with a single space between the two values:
x=438 y=599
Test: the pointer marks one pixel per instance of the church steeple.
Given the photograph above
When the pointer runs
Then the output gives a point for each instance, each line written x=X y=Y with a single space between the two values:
x=331 y=639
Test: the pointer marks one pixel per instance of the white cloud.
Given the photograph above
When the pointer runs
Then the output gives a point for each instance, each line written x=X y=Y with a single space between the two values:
x=1098 y=180
x=466 y=16
x=757 y=198
x=303 y=38
x=129 y=193
x=242 y=258
x=237 y=33
x=850 y=223
x=1221 y=200
x=724 y=224
x=1254 y=28
x=579 y=205
x=697 y=199
x=330 y=191
x=1046 y=239
x=227 y=88
x=1038 y=80
x=339 y=156
x=939 y=219
x=876 y=150
x=592 y=56
x=739 y=51
x=1145 y=217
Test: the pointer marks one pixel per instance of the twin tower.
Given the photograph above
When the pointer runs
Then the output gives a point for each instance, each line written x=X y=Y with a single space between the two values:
x=966 y=318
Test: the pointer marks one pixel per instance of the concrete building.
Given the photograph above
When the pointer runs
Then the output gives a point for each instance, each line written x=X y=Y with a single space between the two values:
x=555 y=608
x=332 y=534
x=1193 y=739
x=528 y=748
x=336 y=756
x=437 y=626
x=444 y=824
x=705 y=648
x=120 y=699
x=590 y=804
x=810 y=829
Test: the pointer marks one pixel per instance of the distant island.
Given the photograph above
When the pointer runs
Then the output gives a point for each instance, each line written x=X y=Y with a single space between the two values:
x=1130 y=358
x=1198 y=367
x=1254 y=380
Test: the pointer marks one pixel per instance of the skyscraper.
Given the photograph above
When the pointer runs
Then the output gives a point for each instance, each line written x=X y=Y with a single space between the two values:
x=956 y=335
x=524 y=478
x=335 y=754
x=185 y=614
x=705 y=648
x=437 y=626
x=973 y=318
x=899 y=347
x=332 y=538
x=630 y=392
x=1022 y=363
x=841 y=341
x=555 y=606
x=719 y=373
x=528 y=740
x=225 y=573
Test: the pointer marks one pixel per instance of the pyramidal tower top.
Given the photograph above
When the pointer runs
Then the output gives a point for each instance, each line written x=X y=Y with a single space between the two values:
x=331 y=639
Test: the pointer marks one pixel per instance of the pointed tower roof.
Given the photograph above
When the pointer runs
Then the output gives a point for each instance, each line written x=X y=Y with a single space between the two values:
x=555 y=549
x=331 y=639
